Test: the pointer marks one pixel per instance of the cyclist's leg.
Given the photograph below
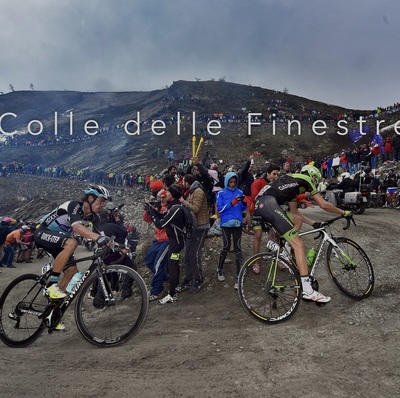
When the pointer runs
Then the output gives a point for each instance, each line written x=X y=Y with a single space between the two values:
x=62 y=247
x=270 y=210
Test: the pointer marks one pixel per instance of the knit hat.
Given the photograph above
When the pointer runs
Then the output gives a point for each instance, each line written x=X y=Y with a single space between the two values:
x=163 y=192
x=175 y=190
x=156 y=185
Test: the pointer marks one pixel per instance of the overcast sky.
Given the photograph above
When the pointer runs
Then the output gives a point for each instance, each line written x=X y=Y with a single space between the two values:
x=340 y=52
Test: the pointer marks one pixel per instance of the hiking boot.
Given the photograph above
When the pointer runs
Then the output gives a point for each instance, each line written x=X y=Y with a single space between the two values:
x=182 y=286
x=195 y=287
x=154 y=297
x=236 y=285
x=53 y=292
x=168 y=299
x=220 y=275
x=316 y=296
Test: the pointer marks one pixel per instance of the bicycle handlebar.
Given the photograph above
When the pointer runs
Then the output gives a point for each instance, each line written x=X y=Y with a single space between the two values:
x=332 y=220
x=101 y=252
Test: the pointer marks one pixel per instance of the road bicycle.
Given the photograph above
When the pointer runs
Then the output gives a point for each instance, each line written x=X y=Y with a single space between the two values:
x=273 y=295
x=111 y=303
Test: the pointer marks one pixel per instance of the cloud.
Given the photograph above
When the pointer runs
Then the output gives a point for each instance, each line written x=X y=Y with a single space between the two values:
x=337 y=52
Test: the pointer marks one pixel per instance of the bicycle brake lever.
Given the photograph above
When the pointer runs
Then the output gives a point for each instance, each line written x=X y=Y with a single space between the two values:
x=318 y=236
x=347 y=224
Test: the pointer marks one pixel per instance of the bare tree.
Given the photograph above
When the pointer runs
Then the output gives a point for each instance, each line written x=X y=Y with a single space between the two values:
x=197 y=79
x=32 y=87
x=285 y=91
x=222 y=79
x=11 y=88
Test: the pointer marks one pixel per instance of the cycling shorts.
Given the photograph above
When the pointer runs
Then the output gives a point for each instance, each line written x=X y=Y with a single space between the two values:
x=268 y=208
x=391 y=190
x=53 y=242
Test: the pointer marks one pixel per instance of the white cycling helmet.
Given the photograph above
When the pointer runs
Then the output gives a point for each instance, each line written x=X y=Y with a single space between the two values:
x=99 y=191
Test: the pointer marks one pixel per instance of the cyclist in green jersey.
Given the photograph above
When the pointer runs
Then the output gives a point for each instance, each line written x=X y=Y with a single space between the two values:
x=284 y=190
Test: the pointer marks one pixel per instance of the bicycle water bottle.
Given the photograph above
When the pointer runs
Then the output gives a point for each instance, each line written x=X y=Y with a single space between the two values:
x=72 y=283
x=311 y=253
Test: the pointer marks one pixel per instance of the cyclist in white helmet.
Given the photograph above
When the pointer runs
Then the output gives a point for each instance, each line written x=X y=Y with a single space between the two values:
x=285 y=190
x=57 y=231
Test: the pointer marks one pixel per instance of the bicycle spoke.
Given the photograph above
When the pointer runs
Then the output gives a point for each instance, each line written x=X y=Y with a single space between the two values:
x=271 y=295
x=112 y=323
x=350 y=268
x=21 y=306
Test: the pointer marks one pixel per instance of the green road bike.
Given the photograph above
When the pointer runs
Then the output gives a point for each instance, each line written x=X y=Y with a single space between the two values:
x=273 y=295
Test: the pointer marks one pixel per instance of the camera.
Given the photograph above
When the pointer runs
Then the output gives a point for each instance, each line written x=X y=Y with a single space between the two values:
x=155 y=203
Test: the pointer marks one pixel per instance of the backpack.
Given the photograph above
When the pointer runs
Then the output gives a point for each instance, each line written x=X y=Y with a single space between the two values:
x=190 y=228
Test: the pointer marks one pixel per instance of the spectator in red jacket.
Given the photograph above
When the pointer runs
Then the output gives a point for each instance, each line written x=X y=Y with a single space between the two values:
x=388 y=149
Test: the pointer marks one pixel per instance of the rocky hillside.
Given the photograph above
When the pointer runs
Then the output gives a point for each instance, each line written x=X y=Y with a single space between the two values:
x=112 y=149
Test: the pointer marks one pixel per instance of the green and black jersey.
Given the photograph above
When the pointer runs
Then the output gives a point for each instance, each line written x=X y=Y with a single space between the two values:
x=286 y=188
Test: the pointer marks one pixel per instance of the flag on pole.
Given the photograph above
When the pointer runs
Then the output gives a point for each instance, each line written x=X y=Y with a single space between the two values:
x=356 y=135
x=377 y=138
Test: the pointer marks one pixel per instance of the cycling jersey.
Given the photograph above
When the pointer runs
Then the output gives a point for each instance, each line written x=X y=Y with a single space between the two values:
x=273 y=196
x=286 y=188
x=62 y=218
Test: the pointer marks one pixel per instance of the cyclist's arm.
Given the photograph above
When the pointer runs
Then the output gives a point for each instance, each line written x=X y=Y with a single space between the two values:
x=81 y=230
x=295 y=211
x=75 y=217
x=323 y=204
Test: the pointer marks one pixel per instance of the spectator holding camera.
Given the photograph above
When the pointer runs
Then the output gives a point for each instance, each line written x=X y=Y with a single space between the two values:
x=231 y=204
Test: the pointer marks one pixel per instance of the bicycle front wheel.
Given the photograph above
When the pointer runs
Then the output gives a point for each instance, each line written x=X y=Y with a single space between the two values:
x=350 y=268
x=273 y=294
x=114 y=323
x=21 y=307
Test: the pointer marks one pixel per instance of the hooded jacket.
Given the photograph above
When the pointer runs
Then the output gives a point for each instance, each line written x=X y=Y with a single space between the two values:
x=231 y=216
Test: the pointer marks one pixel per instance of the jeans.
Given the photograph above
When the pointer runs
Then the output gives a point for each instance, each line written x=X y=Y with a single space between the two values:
x=8 y=255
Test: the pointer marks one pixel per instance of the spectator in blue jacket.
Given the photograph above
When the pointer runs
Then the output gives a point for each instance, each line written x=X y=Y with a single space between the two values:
x=231 y=204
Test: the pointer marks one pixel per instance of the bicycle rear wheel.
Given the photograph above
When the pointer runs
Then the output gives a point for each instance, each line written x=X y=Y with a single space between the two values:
x=273 y=295
x=350 y=268
x=112 y=324
x=21 y=307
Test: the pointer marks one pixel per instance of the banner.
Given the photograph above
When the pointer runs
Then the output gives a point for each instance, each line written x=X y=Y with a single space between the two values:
x=377 y=138
x=356 y=135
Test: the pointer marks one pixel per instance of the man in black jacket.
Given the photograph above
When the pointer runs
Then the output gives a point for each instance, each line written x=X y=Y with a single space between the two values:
x=173 y=220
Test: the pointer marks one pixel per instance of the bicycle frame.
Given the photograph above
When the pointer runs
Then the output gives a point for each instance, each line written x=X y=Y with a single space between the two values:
x=62 y=307
x=326 y=237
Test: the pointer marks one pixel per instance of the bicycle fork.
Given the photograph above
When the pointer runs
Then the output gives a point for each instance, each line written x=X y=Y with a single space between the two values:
x=105 y=287
x=342 y=257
